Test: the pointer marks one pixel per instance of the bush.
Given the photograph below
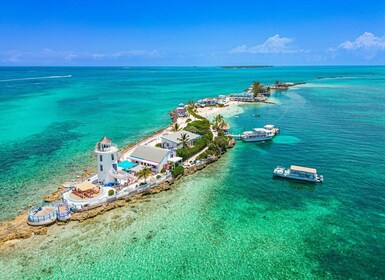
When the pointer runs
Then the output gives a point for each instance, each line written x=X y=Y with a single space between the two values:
x=158 y=176
x=158 y=145
x=192 y=129
x=221 y=105
x=177 y=171
x=199 y=145
x=163 y=170
x=188 y=120
x=111 y=192
x=191 y=112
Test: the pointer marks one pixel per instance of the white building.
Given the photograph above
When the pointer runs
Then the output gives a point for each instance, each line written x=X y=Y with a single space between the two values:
x=171 y=141
x=107 y=154
x=152 y=157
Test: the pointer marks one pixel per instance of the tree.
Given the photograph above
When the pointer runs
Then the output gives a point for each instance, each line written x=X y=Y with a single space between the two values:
x=191 y=103
x=219 y=122
x=175 y=127
x=184 y=139
x=256 y=88
x=144 y=173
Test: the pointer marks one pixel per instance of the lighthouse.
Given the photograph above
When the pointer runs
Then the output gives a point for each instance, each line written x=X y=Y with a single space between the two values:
x=107 y=158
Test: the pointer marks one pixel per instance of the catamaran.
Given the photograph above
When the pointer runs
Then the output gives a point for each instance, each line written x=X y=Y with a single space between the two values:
x=299 y=173
x=260 y=134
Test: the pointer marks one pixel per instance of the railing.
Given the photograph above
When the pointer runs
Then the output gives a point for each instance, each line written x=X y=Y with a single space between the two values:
x=123 y=194
x=44 y=218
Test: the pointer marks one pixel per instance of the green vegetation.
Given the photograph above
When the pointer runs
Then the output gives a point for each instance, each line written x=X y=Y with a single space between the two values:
x=195 y=115
x=177 y=171
x=163 y=170
x=111 y=192
x=184 y=139
x=175 y=127
x=158 y=145
x=158 y=176
x=199 y=145
x=144 y=173
x=256 y=88
x=216 y=147
x=188 y=120
x=191 y=104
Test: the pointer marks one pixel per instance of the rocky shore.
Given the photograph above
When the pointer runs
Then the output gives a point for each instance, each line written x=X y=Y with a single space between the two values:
x=19 y=229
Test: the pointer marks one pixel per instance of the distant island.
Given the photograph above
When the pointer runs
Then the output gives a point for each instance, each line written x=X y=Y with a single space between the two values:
x=247 y=66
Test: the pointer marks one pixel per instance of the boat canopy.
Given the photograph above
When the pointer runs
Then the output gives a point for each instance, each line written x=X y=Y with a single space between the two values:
x=269 y=126
x=303 y=169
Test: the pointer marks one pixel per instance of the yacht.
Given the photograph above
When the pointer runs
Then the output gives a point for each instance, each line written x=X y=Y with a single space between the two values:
x=298 y=173
x=260 y=134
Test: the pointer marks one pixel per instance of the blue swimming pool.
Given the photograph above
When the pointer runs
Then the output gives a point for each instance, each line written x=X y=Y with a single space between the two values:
x=127 y=164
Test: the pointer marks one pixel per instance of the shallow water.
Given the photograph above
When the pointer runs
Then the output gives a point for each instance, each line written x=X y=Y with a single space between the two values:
x=232 y=220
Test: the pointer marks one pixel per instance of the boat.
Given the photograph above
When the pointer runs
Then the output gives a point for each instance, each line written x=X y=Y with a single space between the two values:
x=260 y=134
x=298 y=173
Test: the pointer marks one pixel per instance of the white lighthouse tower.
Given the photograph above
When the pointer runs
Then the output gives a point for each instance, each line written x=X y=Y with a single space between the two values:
x=107 y=154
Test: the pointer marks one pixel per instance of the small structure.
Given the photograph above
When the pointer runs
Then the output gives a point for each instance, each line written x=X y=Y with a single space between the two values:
x=222 y=99
x=171 y=141
x=63 y=212
x=181 y=110
x=207 y=102
x=152 y=157
x=42 y=215
x=107 y=158
x=242 y=97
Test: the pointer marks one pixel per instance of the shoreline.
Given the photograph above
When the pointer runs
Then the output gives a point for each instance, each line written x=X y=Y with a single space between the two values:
x=18 y=228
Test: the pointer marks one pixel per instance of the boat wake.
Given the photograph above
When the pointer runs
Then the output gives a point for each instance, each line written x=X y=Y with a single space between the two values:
x=36 y=78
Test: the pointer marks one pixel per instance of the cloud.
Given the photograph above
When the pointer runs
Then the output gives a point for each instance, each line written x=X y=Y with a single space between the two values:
x=137 y=53
x=48 y=56
x=273 y=45
x=366 y=44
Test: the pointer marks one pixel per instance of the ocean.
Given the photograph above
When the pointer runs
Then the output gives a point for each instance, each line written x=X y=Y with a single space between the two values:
x=230 y=221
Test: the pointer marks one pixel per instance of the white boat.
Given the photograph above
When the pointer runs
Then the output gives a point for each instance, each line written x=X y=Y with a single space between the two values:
x=260 y=134
x=299 y=173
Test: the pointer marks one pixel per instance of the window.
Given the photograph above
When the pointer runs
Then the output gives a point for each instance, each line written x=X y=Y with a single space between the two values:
x=101 y=158
x=101 y=167
x=112 y=157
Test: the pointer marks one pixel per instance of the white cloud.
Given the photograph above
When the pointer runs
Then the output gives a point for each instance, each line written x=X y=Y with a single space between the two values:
x=273 y=45
x=137 y=53
x=366 y=44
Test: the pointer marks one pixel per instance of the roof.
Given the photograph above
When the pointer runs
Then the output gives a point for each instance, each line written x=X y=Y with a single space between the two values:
x=85 y=185
x=175 y=159
x=303 y=169
x=173 y=137
x=105 y=140
x=149 y=153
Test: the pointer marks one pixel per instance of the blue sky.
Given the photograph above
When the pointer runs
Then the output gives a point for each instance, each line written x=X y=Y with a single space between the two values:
x=192 y=32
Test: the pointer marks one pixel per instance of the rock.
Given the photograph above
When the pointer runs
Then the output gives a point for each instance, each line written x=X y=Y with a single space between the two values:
x=55 y=196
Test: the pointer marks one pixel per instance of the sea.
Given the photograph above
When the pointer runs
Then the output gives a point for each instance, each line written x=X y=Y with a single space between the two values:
x=232 y=220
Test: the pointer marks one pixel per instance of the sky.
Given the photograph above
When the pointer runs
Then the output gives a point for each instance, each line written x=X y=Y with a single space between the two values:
x=191 y=33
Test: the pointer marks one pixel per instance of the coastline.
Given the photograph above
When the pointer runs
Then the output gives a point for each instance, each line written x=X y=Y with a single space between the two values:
x=17 y=228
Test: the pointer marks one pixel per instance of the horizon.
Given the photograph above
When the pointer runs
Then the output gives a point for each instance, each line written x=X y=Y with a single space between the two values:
x=172 y=34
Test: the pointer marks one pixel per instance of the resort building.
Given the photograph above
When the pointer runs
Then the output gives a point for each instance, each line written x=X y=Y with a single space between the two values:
x=152 y=157
x=181 y=110
x=207 y=102
x=242 y=97
x=107 y=158
x=172 y=141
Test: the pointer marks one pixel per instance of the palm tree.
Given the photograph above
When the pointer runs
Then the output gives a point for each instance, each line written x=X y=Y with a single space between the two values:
x=144 y=173
x=256 y=88
x=191 y=103
x=184 y=139
x=218 y=122
x=175 y=127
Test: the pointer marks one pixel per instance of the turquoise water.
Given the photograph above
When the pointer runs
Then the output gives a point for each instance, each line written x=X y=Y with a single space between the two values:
x=230 y=221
